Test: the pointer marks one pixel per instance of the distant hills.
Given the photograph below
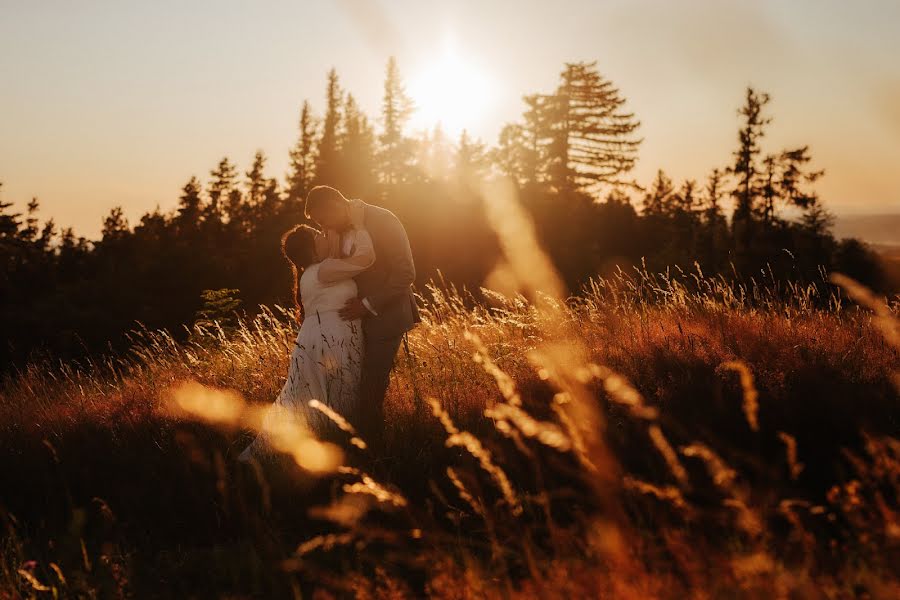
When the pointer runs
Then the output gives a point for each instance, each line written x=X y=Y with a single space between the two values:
x=880 y=229
x=882 y=233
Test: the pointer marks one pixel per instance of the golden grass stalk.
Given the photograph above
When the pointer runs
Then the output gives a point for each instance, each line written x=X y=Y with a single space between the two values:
x=751 y=396
x=545 y=432
x=33 y=581
x=463 y=492
x=790 y=448
x=561 y=405
x=666 y=493
x=340 y=421
x=504 y=382
x=466 y=440
x=284 y=429
x=668 y=453
x=528 y=265
x=722 y=475
x=58 y=572
x=620 y=390
x=560 y=363
x=324 y=542
x=372 y=488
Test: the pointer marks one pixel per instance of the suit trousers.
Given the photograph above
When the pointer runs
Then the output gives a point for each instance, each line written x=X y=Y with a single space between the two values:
x=377 y=363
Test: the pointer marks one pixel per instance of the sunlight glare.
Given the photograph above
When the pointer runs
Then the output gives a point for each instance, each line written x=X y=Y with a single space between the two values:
x=451 y=91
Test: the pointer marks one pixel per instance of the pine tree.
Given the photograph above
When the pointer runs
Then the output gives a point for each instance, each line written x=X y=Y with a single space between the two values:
x=794 y=177
x=524 y=150
x=302 y=155
x=272 y=200
x=30 y=231
x=44 y=243
x=9 y=222
x=686 y=219
x=763 y=185
x=256 y=182
x=397 y=107
x=686 y=200
x=190 y=205
x=658 y=200
x=435 y=155
x=357 y=151
x=115 y=225
x=713 y=246
x=817 y=220
x=768 y=190
x=510 y=156
x=471 y=160
x=749 y=191
x=540 y=117
x=746 y=169
x=327 y=164
x=712 y=208
x=220 y=187
x=591 y=135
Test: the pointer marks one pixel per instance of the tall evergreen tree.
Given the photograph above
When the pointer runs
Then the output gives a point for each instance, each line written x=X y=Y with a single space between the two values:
x=712 y=202
x=591 y=135
x=190 y=205
x=714 y=237
x=471 y=160
x=220 y=188
x=686 y=200
x=746 y=169
x=435 y=155
x=397 y=107
x=9 y=222
x=794 y=178
x=511 y=155
x=115 y=226
x=357 y=151
x=303 y=157
x=768 y=190
x=327 y=166
x=540 y=118
x=256 y=181
x=271 y=199
x=817 y=220
x=750 y=189
x=658 y=199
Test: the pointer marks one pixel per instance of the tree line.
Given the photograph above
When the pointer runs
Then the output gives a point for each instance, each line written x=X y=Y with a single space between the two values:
x=570 y=155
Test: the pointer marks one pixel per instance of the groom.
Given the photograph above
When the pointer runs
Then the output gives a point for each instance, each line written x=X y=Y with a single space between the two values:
x=385 y=304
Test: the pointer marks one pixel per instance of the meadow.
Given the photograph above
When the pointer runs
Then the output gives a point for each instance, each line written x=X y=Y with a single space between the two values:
x=658 y=435
x=628 y=382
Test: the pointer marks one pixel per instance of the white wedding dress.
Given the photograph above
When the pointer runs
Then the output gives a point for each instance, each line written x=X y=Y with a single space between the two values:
x=327 y=357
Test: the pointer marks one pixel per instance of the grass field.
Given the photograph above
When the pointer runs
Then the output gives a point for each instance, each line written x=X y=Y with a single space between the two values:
x=658 y=436
x=655 y=436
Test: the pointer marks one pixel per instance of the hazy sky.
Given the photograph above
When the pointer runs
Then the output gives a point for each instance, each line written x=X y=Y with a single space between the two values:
x=120 y=102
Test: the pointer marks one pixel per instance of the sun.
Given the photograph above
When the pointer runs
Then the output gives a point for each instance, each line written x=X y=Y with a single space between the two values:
x=450 y=91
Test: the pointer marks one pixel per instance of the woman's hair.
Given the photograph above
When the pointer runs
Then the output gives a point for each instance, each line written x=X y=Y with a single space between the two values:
x=299 y=248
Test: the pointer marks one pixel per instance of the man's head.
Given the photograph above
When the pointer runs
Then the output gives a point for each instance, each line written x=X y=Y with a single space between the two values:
x=328 y=207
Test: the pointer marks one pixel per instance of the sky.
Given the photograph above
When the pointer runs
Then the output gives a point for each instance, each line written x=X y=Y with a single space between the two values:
x=119 y=103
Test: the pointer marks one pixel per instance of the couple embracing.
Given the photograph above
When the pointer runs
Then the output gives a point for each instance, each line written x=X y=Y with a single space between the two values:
x=353 y=280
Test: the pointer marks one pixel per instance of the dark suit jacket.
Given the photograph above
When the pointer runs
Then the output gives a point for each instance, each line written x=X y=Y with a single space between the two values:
x=387 y=284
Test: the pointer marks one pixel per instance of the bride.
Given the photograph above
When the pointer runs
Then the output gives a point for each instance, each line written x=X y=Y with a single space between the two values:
x=327 y=356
